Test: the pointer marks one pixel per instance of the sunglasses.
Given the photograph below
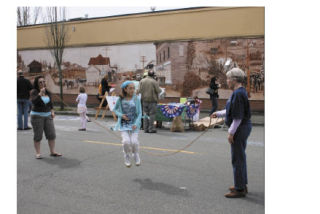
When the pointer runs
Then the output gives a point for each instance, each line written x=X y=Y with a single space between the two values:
x=42 y=81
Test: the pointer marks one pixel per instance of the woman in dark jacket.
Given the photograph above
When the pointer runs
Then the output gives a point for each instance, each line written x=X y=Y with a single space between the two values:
x=214 y=95
x=42 y=115
x=105 y=88
x=237 y=117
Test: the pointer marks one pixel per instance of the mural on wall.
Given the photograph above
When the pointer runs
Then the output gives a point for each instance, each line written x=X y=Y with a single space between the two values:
x=86 y=66
x=184 y=68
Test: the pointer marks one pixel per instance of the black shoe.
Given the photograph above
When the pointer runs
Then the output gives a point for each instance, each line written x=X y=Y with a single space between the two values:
x=19 y=129
x=153 y=131
x=81 y=129
x=28 y=128
x=146 y=131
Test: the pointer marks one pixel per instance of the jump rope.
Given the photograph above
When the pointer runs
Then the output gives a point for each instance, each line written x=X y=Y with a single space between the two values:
x=150 y=153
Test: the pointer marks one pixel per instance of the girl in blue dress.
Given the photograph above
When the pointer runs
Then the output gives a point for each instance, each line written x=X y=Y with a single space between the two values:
x=128 y=110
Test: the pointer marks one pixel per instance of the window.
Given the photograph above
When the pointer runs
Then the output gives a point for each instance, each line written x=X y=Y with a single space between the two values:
x=162 y=81
x=214 y=50
x=180 y=50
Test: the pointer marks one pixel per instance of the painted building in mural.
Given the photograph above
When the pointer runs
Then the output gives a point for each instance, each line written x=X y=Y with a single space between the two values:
x=86 y=66
x=199 y=61
x=98 y=67
x=185 y=57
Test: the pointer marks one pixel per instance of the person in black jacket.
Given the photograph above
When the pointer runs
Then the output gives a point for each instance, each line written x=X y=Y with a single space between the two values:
x=214 y=95
x=105 y=87
x=24 y=87
x=42 y=115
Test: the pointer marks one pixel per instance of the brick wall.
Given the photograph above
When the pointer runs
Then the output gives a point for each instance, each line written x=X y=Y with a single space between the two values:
x=178 y=63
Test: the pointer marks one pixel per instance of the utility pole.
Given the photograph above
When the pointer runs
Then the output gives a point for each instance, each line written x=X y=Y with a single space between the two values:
x=143 y=60
x=106 y=49
x=248 y=72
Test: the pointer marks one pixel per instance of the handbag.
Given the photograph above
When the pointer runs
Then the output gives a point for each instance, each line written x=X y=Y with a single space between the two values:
x=210 y=91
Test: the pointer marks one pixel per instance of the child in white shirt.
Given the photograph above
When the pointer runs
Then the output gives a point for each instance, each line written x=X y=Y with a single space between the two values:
x=82 y=108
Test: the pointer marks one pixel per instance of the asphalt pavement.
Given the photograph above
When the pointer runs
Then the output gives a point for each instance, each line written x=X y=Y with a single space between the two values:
x=91 y=178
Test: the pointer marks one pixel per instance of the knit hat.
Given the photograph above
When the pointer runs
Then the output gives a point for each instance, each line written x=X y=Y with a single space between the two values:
x=126 y=83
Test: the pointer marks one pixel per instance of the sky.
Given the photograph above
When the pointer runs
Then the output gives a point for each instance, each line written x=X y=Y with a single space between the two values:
x=93 y=12
x=75 y=12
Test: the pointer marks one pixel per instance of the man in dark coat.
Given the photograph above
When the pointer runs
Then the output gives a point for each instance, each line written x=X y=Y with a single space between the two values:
x=24 y=87
x=214 y=95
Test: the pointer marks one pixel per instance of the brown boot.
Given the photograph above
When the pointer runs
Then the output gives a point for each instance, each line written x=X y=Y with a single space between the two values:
x=232 y=189
x=235 y=194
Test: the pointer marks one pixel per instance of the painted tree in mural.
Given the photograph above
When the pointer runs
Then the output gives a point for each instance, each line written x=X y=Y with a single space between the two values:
x=217 y=69
x=57 y=36
x=28 y=16
x=191 y=82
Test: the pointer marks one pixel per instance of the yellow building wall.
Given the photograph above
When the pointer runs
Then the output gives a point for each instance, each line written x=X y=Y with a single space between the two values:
x=204 y=23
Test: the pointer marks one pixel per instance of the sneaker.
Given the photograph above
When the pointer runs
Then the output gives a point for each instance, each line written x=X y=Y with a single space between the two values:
x=153 y=131
x=137 y=159
x=127 y=161
x=81 y=129
x=28 y=128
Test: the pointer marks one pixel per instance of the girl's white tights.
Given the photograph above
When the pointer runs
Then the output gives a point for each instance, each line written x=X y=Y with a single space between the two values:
x=130 y=142
x=83 y=119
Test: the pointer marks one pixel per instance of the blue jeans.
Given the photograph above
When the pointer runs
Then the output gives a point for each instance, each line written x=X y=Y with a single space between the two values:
x=238 y=156
x=214 y=104
x=23 y=108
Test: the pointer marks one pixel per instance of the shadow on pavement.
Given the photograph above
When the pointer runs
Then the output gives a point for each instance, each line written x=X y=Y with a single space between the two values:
x=257 y=198
x=63 y=162
x=161 y=187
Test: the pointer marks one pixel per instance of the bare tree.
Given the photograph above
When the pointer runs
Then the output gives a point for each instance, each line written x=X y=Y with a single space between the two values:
x=28 y=15
x=23 y=16
x=36 y=14
x=56 y=40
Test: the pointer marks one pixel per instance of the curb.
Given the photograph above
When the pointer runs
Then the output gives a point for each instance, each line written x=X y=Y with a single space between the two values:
x=70 y=113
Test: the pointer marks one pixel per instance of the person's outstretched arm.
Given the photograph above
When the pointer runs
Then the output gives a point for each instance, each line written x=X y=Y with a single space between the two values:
x=221 y=113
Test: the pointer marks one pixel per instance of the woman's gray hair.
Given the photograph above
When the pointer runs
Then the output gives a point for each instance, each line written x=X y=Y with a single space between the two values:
x=236 y=74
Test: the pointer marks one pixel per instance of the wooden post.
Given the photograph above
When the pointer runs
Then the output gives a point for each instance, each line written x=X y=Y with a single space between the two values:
x=100 y=106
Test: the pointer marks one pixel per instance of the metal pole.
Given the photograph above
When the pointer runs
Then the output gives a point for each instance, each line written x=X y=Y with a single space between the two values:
x=248 y=72
x=143 y=61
